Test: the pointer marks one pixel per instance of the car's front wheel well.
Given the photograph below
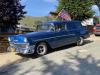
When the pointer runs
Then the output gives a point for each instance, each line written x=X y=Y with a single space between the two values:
x=41 y=48
x=43 y=42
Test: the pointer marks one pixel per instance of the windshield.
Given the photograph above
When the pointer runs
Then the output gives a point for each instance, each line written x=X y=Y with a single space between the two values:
x=45 y=27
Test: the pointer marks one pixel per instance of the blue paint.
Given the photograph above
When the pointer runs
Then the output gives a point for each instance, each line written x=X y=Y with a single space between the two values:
x=70 y=33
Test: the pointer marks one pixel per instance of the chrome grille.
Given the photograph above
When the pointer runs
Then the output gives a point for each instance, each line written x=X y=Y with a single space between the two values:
x=21 y=45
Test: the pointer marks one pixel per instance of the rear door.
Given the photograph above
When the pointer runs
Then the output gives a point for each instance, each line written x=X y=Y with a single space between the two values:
x=72 y=31
x=63 y=35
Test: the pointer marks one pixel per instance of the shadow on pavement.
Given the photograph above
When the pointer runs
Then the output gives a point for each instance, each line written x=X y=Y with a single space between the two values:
x=87 y=42
x=7 y=68
x=82 y=66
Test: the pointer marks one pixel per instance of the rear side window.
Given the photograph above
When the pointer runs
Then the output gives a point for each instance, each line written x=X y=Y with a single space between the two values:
x=60 y=27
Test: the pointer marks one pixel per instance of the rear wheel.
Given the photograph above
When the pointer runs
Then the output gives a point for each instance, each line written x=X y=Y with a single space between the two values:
x=41 y=48
x=80 y=41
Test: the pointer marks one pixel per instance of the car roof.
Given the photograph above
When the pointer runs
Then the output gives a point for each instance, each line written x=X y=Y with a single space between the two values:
x=59 y=22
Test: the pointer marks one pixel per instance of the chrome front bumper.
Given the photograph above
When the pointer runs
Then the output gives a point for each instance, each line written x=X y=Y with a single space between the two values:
x=22 y=48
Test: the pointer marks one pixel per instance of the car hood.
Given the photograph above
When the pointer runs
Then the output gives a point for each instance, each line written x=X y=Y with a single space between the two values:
x=30 y=36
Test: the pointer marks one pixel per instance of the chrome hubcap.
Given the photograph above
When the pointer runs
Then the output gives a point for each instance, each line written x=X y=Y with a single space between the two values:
x=41 y=49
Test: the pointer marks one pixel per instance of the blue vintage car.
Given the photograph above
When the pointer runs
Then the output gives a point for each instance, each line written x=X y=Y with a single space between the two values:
x=50 y=34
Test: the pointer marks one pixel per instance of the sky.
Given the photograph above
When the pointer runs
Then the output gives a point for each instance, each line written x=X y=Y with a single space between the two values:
x=39 y=7
x=43 y=7
x=96 y=10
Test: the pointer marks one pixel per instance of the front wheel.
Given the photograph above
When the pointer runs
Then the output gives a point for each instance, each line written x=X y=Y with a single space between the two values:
x=80 y=41
x=41 y=49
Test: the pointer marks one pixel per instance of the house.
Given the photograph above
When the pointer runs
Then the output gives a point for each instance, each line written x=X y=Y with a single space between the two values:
x=87 y=22
x=23 y=29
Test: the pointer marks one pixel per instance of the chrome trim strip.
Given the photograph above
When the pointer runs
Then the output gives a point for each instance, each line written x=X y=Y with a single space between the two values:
x=54 y=37
x=17 y=43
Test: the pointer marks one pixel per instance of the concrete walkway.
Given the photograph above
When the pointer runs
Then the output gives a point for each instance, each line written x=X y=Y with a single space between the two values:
x=68 y=60
x=8 y=58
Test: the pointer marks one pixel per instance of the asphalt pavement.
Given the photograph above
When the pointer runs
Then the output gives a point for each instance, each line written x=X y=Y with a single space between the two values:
x=67 y=60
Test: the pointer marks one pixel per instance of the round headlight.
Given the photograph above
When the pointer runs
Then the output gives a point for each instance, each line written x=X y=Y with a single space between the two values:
x=9 y=39
x=25 y=39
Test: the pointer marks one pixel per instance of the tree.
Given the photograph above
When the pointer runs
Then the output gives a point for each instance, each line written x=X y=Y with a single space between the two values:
x=11 y=11
x=78 y=9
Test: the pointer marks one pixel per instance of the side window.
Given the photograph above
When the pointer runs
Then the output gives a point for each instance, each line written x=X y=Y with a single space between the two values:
x=60 y=27
x=51 y=28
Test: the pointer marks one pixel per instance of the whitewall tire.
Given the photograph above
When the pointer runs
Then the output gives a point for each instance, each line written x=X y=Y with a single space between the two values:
x=80 y=41
x=41 y=49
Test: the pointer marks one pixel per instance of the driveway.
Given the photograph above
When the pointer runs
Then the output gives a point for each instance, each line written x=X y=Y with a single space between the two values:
x=8 y=58
x=68 y=60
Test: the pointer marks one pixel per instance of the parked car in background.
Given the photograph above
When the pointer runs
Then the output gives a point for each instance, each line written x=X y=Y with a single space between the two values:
x=49 y=35
x=96 y=29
